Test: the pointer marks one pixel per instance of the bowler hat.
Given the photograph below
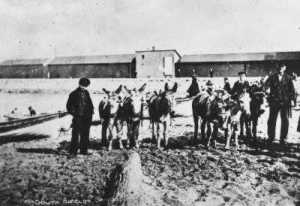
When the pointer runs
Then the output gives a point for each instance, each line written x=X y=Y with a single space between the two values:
x=84 y=82
x=209 y=83
x=242 y=72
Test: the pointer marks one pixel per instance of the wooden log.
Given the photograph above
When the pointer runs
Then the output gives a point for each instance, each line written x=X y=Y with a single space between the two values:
x=129 y=190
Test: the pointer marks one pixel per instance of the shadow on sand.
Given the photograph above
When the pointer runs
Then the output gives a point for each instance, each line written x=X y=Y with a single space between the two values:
x=5 y=139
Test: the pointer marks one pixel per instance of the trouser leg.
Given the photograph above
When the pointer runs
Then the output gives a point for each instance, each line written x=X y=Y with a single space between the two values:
x=75 y=137
x=284 y=123
x=84 y=137
x=104 y=132
x=274 y=109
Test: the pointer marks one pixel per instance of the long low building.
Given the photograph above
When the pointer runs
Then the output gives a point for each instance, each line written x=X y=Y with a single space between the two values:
x=150 y=64
x=23 y=68
x=254 y=64
x=102 y=66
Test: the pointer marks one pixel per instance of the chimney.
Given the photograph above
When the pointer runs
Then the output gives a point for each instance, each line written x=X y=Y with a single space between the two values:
x=153 y=48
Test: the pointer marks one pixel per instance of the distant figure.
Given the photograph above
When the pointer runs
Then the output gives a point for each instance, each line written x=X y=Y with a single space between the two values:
x=193 y=90
x=297 y=92
x=169 y=87
x=210 y=91
x=80 y=106
x=227 y=86
x=211 y=72
x=281 y=93
x=14 y=111
x=32 y=112
x=240 y=86
x=105 y=114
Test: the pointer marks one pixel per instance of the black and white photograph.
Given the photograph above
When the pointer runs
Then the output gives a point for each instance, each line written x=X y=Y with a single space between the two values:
x=149 y=103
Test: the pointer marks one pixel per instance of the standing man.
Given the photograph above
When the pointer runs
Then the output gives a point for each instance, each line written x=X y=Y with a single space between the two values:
x=80 y=106
x=105 y=115
x=227 y=86
x=211 y=72
x=193 y=90
x=281 y=94
x=241 y=86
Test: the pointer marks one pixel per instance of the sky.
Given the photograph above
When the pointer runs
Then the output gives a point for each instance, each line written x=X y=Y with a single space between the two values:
x=43 y=28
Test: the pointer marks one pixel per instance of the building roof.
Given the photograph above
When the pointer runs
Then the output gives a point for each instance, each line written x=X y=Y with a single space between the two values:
x=240 y=57
x=161 y=50
x=13 y=62
x=99 y=59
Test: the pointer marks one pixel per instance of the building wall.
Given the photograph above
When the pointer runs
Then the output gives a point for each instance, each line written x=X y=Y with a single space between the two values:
x=122 y=70
x=152 y=63
x=260 y=68
x=23 y=71
x=202 y=69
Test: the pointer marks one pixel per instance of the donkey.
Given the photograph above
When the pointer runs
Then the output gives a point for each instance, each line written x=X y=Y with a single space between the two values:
x=235 y=109
x=160 y=113
x=212 y=120
x=133 y=108
x=110 y=112
x=256 y=110
x=127 y=110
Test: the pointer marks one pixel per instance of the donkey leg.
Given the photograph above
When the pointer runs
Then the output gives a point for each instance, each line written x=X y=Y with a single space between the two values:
x=121 y=143
x=248 y=128
x=136 y=134
x=209 y=135
x=254 y=129
x=203 y=134
x=157 y=131
x=154 y=138
x=236 y=139
x=110 y=145
x=165 y=126
x=215 y=135
x=196 y=127
x=229 y=134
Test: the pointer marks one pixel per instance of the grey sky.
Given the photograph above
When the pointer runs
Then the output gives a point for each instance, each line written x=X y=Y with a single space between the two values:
x=42 y=28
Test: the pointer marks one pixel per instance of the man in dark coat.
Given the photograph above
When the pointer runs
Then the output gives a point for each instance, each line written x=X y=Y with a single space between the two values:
x=193 y=90
x=240 y=86
x=211 y=72
x=80 y=106
x=105 y=115
x=227 y=86
x=281 y=94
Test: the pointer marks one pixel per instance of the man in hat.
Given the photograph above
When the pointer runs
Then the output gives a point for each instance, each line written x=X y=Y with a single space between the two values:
x=80 y=106
x=193 y=90
x=227 y=86
x=240 y=86
x=105 y=116
x=211 y=72
x=281 y=93
x=211 y=95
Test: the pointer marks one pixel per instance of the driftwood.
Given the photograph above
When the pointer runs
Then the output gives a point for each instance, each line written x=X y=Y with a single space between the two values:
x=129 y=184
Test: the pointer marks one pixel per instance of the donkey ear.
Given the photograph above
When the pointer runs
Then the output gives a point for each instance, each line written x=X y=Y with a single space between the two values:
x=175 y=87
x=119 y=89
x=105 y=91
x=142 y=88
x=126 y=89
